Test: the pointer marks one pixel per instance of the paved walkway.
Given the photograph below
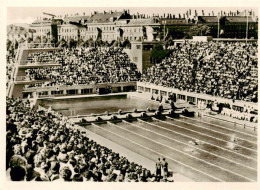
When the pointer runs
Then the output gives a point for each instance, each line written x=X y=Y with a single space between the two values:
x=232 y=120
x=147 y=97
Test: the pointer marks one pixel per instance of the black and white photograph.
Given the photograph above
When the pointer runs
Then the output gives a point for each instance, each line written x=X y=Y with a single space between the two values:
x=144 y=94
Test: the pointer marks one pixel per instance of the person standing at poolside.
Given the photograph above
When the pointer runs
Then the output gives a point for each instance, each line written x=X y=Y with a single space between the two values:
x=165 y=169
x=158 y=169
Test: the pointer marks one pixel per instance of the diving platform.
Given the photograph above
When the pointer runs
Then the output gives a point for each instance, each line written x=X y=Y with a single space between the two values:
x=27 y=82
x=38 y=65
x=18 y=75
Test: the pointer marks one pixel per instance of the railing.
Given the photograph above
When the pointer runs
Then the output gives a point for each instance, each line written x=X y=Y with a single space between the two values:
x=22 y=78
x=16 y=56
x=234 y=122
x=239 y=103
x=14 y=71
x=35 y=62
x=36 y=45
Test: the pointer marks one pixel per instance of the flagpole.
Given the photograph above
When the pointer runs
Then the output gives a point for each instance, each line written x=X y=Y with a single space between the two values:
x=246 y=25
x=41 y=27
x=218 y=25
x=164 y=30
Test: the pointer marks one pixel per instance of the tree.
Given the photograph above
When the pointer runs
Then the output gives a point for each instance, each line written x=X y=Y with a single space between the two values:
x=44 y=39
x=91 y=42
x=80 y=42
x=158 y=53
x=85 y=43
x=72 y=43
x=16 y=44
x=22 y=40
x=198 y=30
x=29 y=40
x=126 y=43
x=37 y=39
x=111 y=43
x=62 y=43
x=115 y=43
x=53 y=40
x=100 y=42
x=8 y=44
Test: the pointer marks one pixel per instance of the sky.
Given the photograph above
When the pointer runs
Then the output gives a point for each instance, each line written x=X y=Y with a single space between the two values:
x=29 y=14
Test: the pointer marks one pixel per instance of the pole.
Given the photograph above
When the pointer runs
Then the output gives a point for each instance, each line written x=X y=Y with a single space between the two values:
x=246 y=25
x=218 y=26
x=41 y=27
x=164 y=30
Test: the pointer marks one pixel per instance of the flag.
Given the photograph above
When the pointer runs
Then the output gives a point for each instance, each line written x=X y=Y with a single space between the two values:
x=49 y=14
x=99 y=33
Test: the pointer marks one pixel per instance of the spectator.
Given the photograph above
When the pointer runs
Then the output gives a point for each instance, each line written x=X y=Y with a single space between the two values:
x=165 y=169
x=69 y=156
x=158 y=169
x=83 y=66
x=223 y=69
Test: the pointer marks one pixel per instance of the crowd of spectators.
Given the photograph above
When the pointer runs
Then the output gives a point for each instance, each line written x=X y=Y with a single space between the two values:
x=247 y=115
x=223 y=69
x=44 y=146
x=10 y=61
x=84 y=66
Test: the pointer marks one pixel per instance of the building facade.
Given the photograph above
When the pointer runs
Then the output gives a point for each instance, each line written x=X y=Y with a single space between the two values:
x=114 y=25
x=46 y=27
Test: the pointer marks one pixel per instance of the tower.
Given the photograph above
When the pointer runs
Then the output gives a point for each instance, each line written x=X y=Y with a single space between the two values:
x=18 y=75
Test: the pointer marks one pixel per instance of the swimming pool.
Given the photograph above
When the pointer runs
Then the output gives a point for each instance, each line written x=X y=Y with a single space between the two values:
x=215 y=156
x=97 y=104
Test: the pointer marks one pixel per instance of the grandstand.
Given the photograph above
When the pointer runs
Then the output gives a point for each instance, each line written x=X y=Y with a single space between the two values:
x=211 y=78
x=17 y=77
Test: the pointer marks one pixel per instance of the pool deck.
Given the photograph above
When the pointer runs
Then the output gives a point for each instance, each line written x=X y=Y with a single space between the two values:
x=231 y=120
x=202 y=112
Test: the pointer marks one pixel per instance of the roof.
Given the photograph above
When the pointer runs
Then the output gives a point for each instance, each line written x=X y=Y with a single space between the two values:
x=174 y=21
x=238 y=19
x=104 y=17
x=44 y=21
x=76 y=18
x=16 y=30
x=144 y=21
x=207 y=19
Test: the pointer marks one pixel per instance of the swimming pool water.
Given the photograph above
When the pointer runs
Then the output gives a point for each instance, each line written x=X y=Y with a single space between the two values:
x=97 y=105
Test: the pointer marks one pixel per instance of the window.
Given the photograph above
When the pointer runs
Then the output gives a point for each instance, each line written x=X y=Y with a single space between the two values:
x=140 y=88
x=182 y=97
x=43 y=93
x=190 y=99
x=154 y=91
x=135 y=59
x=163 y=93
x=72 y=91
x=85 y=91
x=147 y=89
x=57 y=92
x=138 y=46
